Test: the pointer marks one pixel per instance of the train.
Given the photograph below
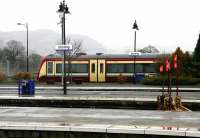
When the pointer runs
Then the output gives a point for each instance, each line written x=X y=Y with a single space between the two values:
x=98 y=67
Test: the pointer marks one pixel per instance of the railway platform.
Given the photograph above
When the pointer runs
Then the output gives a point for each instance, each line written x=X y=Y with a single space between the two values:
x=106 y=87
x=95 y=122
x=90 y=102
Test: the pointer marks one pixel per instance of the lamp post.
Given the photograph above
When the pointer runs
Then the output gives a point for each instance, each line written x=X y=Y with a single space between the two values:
x=135 y=27
x=26 y=25
x=63 y=9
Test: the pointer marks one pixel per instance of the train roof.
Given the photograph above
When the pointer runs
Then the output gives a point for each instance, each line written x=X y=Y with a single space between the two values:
x=143 y=55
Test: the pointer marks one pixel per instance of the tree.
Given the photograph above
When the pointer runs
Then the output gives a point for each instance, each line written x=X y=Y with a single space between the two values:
x=20 y=64
x=196 y=56
x=1 y=60
x=14 y=51
x=74 y=53
x=180 y=60
x=77 y=48
x=196 y=59
x=188 y=66
x=1 y=54
x=149 y=49
x=34 y=60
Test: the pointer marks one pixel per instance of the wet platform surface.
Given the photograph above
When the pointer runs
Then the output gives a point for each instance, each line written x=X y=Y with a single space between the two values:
x=100 y=120
x=102 y=102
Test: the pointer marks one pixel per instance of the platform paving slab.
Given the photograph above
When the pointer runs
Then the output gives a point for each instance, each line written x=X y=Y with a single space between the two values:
x=101 y=121
x=115 y=129
x=126 y=129
x=166 y=130
x=105 y=88
x=193 y=132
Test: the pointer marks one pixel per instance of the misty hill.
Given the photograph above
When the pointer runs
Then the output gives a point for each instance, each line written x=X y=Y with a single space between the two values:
x=44 y=41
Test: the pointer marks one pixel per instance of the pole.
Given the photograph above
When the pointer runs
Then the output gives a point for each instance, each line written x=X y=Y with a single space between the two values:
x=63 y=9
x=135 y=43
x=177 y=83
x=170 y=92
x=26 y=25
x=64 y=42
x=177 y=90
x=64 y=82
x=27 y=66
x=134 y=58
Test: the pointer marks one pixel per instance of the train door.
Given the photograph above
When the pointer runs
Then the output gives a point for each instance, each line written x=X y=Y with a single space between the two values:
x=101 y=70
x=97 y=70
x=93 y=70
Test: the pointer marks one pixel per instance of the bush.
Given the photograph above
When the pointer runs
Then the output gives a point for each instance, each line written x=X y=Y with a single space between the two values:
x=182 y=80
x=152 y=81
x=121 y=78
x=188 y=80
x=2 y=77
x=22 y=76
x=50 y=81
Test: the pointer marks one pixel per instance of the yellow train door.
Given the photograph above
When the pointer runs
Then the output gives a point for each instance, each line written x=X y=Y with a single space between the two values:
x=101 y=70
x=93 y=70
x=97 y=70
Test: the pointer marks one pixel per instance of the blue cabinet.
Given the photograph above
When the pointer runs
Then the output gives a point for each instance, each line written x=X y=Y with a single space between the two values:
x=26 y=87
x=137 y=78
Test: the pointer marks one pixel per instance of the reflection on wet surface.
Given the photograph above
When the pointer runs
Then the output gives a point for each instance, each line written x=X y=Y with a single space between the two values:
x=101 y=116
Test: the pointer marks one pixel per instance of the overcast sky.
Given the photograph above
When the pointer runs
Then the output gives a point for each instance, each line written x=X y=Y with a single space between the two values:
x=165 y=24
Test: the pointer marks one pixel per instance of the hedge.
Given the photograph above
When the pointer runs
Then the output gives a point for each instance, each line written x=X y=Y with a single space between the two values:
x=3 y=77
x=182 y=80
x=22 y=76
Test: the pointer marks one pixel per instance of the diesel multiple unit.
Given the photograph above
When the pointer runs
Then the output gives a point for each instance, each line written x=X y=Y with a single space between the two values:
x=97 y=68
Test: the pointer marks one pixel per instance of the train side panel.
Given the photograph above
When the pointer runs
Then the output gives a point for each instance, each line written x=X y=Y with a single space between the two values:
x=97 y=69
x=124 y=67
x=42 y=71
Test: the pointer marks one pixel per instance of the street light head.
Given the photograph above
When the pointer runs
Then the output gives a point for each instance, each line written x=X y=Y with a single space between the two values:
x=19 y=24
x=61 y=7
x=67 y=10
x=135 y=26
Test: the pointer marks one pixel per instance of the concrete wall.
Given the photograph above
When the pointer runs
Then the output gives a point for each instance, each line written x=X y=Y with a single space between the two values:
x=62 y=134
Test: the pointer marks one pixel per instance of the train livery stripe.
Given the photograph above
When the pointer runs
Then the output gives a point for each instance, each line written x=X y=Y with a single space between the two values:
x=121 y=62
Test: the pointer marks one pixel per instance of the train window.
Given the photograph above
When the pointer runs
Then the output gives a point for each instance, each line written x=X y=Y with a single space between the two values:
x=129 y=68
x=93 y=68
x=115 y=68
x=101 y=68
x=149 y=68
x=50 y=67
x=66 y=68
x=58 y=68
x=79 y=68
x=139 y=68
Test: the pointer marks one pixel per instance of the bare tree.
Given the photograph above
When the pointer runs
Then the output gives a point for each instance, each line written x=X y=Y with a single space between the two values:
x=77 y=47
x=34 y=60
x=14 y=51
x=73 y=54
x=149 y=49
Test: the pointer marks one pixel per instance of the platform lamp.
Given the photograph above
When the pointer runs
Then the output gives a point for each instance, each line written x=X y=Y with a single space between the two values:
x=135 y=27
x=26 y=25
x=63 y=9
